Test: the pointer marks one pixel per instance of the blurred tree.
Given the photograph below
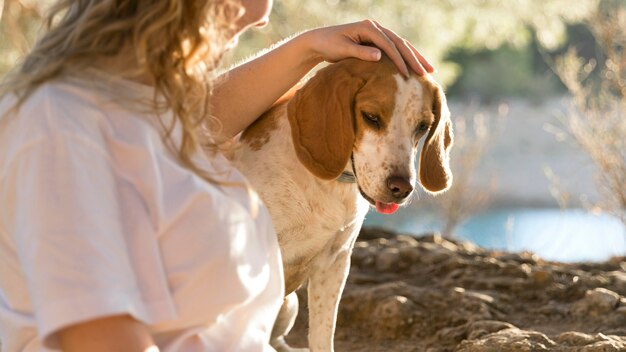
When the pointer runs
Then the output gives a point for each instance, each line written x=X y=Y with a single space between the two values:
x=434 y=26
x=19 y=23
x=597 y=120
x=472 y=132
x=507 y=71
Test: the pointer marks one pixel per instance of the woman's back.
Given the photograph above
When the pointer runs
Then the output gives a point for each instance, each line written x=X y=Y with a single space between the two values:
x=99 y=218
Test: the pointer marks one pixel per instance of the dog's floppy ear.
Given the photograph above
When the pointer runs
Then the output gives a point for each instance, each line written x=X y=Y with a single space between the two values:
x=435 y=174
x=322 y=123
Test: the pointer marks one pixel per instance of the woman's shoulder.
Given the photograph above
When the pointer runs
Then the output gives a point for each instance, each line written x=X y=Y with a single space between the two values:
x=88 y=105
x=53 y=106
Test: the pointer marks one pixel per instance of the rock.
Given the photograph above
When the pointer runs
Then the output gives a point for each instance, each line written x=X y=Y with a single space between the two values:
x=572 y=338
x=479 y=296
x=591 y=343
x=541 y=277
x=621 y=311
x=594 y=281
x=432 y=238
x=514 y=339
x=551 y=310
x=404 y=241
x=434 y=254
x=521 y=258
x=613 y=345
x=392 y=316
x=409 y=254
x=511 y=340
x=469 y=248
x=618 y=279
x=481 y=328
x=361 y=244
x=517 y=270
x=363 y=253
x=449 y=246
x=388 y=259
x=456 y=333
x=434 y=294
x=596 y=302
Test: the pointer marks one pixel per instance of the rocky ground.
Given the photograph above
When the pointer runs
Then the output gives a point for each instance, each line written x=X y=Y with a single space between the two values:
x=432 y=294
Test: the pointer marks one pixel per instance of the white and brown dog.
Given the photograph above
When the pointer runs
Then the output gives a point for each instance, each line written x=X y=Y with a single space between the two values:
x=345 y=140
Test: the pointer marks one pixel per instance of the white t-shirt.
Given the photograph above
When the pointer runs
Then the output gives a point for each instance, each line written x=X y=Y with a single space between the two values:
x=97 y=218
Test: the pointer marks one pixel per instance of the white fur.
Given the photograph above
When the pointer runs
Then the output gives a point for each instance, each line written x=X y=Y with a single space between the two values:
x=377 y=157
x=317 y=221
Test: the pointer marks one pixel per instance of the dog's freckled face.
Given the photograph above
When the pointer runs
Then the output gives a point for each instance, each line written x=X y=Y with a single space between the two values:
x=367 y=116
x=388 y=133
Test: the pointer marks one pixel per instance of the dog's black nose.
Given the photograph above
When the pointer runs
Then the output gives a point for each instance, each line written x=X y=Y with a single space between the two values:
x=399 y=186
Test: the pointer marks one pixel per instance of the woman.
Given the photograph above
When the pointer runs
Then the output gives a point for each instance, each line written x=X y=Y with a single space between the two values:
x=116 y=234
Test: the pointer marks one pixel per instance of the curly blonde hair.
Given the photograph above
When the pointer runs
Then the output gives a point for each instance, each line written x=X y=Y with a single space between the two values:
x=178 y=43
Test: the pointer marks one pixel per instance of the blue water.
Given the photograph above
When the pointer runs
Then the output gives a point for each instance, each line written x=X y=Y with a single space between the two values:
x=570 y=235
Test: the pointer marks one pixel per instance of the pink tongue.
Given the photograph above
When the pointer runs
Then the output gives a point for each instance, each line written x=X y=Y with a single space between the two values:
x=386 y=208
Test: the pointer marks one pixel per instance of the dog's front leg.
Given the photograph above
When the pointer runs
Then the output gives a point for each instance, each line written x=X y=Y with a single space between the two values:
x=325 y=287
x=324 y=292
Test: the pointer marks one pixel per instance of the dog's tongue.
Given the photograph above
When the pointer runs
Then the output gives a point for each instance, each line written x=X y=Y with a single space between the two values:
x=386 y=208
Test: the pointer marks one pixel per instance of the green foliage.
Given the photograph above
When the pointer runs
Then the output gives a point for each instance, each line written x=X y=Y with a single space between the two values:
x=597 y=119
x=19 y=24
x=504 y=72
x=433 y=26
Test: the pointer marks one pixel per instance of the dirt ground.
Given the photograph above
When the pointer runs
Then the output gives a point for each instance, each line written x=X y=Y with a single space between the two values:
x=432 y=294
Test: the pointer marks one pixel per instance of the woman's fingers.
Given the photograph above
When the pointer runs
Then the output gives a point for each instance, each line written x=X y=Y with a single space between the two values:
x=365 y=40
x=427 y=65
x=407 y=54
x=365 y=52
x=376 y=36
x=410 y=54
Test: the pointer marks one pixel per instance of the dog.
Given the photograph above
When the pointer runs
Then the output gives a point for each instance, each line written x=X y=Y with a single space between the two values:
x=347 y=139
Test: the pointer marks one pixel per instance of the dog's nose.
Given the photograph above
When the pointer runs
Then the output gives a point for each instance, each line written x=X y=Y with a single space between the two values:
x=399 y=186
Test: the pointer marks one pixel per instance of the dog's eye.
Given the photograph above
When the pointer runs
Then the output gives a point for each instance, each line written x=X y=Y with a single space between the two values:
x=422 y=127
x=371 y=119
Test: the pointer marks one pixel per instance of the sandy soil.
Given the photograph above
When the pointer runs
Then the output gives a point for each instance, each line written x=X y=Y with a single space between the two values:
x=432 y=294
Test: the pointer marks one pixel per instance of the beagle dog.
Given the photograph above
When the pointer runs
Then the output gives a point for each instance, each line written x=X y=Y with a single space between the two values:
x=344 y=141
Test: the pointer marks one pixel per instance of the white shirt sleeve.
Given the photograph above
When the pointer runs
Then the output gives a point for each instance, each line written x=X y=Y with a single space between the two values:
x=62 y=205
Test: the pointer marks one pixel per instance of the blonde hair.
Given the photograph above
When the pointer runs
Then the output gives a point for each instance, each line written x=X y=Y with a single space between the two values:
x=177 y=42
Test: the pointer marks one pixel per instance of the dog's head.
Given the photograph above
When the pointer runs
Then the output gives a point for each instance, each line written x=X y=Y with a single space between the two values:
x=365 y=114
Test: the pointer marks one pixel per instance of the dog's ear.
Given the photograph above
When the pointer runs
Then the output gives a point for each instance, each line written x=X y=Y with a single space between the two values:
x=435 y=174
x=322 y=121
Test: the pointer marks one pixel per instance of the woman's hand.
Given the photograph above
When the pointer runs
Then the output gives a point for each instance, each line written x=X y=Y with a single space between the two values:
x=356 y=39
x=245 y=92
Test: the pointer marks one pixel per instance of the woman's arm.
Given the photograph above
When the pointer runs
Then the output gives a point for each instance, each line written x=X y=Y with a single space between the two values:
x=245 y=92
x=117 y=333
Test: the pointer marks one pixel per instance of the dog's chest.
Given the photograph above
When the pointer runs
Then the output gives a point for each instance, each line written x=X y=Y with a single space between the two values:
x=312 y=217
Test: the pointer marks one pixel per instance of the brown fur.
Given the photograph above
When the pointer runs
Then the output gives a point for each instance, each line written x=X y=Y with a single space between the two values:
x=435 y=175
x=258 y=133
x=322 y=113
